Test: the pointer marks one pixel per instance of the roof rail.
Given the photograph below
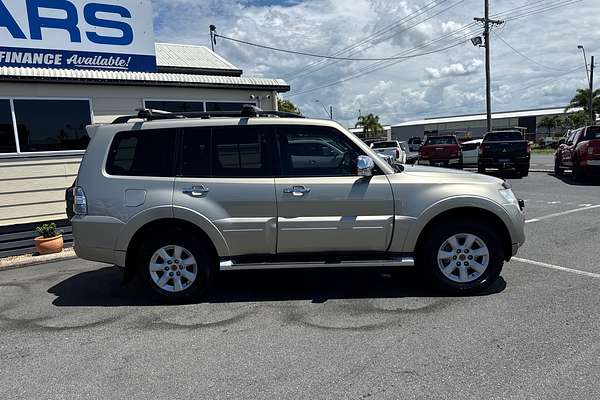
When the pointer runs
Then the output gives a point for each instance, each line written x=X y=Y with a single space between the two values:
x=248 y=111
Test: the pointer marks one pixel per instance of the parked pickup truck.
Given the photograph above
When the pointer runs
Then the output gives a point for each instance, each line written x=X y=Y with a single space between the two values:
x=505 y=150
x=441 y=151
x=580 y=153
x=390 y=148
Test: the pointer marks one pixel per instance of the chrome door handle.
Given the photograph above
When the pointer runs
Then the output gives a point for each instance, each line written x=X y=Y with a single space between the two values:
x=297 y=191
x=196 y=191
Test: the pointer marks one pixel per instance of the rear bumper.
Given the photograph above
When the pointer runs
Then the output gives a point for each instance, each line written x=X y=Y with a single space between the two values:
x=501 y=163
x=441 y=161
x=95 y=239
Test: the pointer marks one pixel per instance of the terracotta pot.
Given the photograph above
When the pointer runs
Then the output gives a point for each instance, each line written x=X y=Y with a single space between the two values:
x=50 y=245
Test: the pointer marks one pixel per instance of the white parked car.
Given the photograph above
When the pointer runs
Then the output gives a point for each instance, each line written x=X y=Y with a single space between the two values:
x=471 y=151
x=390 y=148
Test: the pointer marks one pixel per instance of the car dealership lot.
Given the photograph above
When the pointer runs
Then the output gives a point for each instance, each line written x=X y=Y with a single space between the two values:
x=69 y=329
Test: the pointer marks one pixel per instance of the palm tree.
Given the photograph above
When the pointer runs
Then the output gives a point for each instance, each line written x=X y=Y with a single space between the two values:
x=582 y=100
x=550 y=123
x=370 y=124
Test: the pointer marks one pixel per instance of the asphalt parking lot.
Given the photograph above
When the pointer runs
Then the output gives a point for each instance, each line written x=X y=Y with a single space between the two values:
x=70 y=330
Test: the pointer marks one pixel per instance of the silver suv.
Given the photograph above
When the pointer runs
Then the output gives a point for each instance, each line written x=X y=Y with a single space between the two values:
x=177 y=198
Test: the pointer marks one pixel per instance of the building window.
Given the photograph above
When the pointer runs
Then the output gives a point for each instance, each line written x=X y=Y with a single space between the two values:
x=225 y=106
x=7 y=131
x=142 y=153
x=52 y=125
x=175 y=106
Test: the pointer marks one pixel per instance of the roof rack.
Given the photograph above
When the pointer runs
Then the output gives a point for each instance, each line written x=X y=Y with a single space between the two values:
x=248 y=111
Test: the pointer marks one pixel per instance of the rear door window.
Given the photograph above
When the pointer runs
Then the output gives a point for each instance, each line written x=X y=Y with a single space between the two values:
x=242 y=151
x=142 y=153
x=195 y=153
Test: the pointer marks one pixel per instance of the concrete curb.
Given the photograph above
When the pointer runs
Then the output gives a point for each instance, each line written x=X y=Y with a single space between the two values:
x=29 y=260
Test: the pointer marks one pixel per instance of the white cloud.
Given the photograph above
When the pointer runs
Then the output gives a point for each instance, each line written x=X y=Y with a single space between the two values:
x=449 y=82
x=456 y=69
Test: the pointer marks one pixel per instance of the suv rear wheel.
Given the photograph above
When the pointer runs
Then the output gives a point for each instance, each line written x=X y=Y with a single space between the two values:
x=462 y=257
x=176 y=266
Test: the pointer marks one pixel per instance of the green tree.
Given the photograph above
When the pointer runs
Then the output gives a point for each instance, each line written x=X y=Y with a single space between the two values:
x=370 y=124
x=582 y=100
x=575 y=120
x=287 y=106
x=550 y=123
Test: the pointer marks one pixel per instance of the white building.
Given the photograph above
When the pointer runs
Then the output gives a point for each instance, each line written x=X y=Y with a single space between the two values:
x=474 y=125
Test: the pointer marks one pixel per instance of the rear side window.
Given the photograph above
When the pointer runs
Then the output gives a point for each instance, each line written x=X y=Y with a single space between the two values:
x=470 y=146
x=592 y=133
x=242 y=151
x=142 y=153
x=441 y=140
x=503 y=136
x=384 y=145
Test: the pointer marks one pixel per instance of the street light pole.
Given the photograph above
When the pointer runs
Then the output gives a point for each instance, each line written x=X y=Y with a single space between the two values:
x=590 y=75
x=329 y=113
x=592 y=114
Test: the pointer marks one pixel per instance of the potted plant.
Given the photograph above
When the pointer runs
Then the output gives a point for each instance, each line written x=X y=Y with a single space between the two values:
x=50 y=240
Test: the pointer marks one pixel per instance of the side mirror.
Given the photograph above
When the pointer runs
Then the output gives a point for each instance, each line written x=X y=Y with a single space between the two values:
x=365 y=166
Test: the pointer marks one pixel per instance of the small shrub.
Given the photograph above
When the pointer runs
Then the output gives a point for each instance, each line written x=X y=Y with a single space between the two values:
x=48 y=231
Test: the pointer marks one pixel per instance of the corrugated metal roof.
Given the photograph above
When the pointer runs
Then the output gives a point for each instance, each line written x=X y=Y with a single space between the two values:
x=187 y=56
x=124 y=77
x=481 y=117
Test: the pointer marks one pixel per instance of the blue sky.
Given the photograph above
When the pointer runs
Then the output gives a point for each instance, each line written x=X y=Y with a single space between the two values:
x=545 y=74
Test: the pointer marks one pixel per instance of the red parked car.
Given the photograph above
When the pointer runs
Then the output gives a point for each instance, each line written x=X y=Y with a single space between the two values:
x=441 y=151
x=579 y=153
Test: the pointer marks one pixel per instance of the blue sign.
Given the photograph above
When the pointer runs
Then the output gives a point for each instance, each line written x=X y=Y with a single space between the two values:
x=77 y=34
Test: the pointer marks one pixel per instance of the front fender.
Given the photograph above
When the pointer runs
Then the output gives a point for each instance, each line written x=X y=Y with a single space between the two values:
x=452 y=203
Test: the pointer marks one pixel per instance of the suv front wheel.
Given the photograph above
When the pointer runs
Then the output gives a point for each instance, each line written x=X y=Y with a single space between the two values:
x=175 y=265
x=462 y=257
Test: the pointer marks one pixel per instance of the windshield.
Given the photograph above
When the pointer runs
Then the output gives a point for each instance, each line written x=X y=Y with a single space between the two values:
x=384 y=145
x=592 y=133
x=503 y=136
x=440 y=140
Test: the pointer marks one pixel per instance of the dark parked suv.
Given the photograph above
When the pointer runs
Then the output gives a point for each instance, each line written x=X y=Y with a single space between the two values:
x=505 y=150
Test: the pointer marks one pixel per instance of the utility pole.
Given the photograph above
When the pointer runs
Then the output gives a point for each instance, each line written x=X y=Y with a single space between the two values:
x=592 y=114
x=331 y=111
x=488 y=79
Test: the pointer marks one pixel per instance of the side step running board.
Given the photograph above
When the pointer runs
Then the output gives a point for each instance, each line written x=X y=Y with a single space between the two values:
x=395 y=262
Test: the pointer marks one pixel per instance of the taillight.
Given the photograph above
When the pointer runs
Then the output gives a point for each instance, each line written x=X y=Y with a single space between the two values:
x=590 y=150
x=529 y=148
x=80 y=201
x=397 y=153
x=481 y=150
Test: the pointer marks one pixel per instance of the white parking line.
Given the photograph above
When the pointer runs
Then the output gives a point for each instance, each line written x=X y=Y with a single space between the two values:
x=560 y=214
x=558 y=268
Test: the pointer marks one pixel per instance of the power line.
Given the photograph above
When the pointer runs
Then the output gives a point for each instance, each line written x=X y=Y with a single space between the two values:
x=378 y=66
x=373 y=35
x=381 y=40
x=318 y=55
x=526 y=57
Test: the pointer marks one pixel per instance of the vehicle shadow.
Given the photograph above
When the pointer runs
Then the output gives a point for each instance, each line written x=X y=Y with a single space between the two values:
x=104 y=287
x=568 y=179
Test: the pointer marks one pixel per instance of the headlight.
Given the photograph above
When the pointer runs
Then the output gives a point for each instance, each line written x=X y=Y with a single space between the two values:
x=509 y=196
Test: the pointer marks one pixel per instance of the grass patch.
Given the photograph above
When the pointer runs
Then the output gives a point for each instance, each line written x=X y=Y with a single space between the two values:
x=543 y=151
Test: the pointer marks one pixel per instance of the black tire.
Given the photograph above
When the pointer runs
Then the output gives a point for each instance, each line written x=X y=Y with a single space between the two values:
x=578 y=174
x=557 y=170
x=205 y=265
x=524 y=171
x=434 y=240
